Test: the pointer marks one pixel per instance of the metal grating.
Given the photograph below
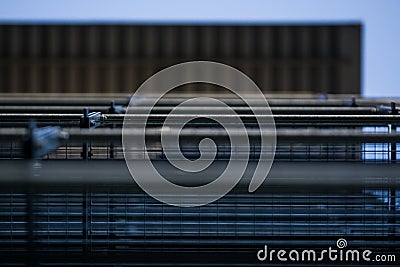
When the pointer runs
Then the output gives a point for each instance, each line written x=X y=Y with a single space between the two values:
x=335 y=175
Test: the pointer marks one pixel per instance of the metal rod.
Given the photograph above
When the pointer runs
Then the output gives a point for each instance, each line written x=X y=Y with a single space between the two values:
x=168 y=109
x=104 y=172
x=392 y=190
x=174 y=99
x=305 y=119
x=283 y=135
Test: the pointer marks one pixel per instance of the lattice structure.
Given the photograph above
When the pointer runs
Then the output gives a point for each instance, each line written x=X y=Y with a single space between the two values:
x=336 y=174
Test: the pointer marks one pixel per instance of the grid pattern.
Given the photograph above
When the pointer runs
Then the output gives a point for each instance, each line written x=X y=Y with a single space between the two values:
x=118 y=220
x=365 y=152
x=112 y=224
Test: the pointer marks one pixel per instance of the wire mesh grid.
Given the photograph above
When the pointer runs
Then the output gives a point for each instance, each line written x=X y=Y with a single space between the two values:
x=114 y=219
x=120 y=220
x=364 y=152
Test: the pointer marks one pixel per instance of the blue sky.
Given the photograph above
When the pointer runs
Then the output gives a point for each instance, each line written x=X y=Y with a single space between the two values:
x=381 y=43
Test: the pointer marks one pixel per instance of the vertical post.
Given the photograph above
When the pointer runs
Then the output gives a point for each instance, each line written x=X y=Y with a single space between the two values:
x=85 y=221
x=30 y=228
x=354 y=153
x=393 y=154
x=30 y=155
x=392 y=189
x=112 y=110
x=85 y=124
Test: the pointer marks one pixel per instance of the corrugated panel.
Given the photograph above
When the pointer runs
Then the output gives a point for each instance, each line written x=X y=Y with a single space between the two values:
x=118 y=58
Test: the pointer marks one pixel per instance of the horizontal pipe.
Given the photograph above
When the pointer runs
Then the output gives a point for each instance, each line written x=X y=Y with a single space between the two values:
x=168 y=109
x=283 y=135
x=174 y=99
x=313 y=120
x=103 y=172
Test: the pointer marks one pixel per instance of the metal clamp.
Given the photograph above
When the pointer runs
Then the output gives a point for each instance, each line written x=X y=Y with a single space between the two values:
x=352 y=102
x=115 y=109
x=41 y=141
x=386 y=110
x=90 y=120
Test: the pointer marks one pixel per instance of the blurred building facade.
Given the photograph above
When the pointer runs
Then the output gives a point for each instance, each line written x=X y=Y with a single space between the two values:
x=118 y=58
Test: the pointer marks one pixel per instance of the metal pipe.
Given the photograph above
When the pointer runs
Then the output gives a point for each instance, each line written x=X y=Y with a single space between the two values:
x=168 y=109
x=288 y=174
x=283 y=135
x=285 y=118
x=174 y=99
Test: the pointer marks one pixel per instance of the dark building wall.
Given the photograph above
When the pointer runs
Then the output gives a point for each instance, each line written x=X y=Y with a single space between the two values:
x=118 y=58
